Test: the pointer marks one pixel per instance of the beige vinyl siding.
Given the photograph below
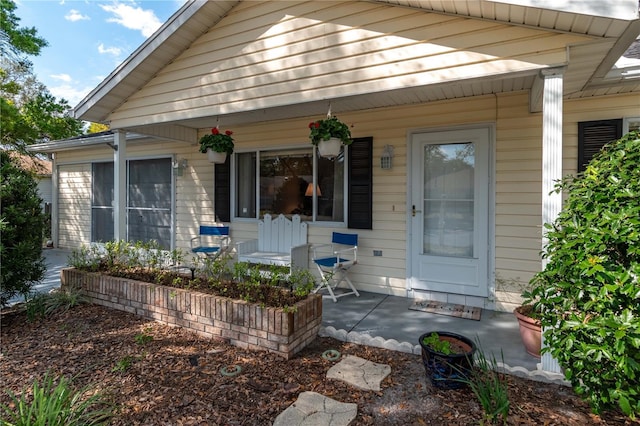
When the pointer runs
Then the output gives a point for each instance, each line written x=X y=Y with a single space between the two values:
x=74 y=205
x=517 y=162
x=518 y=211
x=261 y=56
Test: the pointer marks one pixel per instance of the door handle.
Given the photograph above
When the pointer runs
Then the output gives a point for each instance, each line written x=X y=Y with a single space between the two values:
x=414 y=211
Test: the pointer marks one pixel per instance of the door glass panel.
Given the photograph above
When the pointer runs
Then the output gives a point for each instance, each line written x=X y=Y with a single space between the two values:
x=448 y=201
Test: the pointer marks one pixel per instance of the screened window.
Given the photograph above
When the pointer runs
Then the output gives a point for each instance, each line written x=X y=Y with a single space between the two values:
x=149 y=201
x=282 y=182
x=102 y=202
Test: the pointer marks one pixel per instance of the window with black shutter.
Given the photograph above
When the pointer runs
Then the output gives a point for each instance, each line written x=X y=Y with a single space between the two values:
x=593 y=135
x=280 y=181
x=222 y=188
x=360 y=168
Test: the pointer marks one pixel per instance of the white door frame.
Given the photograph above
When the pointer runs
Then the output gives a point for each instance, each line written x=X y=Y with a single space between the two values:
x=410 y=266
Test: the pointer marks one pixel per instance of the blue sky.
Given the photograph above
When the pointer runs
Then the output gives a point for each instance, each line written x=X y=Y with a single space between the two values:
x=88 y=39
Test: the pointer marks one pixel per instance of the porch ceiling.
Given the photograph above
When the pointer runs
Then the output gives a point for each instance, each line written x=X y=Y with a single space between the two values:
x=584 y=77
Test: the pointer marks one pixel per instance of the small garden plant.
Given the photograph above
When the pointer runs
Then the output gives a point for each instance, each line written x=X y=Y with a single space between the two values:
x=54 y=402
x=588 y=294
x=147 y=262
x=434 y=342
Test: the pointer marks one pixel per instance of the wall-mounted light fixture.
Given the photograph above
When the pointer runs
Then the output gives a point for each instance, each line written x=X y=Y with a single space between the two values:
x=180 y=165
x=386 y=159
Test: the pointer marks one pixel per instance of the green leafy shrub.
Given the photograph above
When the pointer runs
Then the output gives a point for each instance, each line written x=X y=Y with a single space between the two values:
x=21 y=227
x=54 y=404
x=589 y=293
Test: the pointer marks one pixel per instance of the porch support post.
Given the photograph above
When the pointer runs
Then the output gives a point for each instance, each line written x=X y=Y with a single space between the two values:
x=120 y=185
x=551 y=166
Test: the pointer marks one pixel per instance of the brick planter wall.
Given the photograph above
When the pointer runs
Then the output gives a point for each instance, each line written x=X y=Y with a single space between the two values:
x=244 y=324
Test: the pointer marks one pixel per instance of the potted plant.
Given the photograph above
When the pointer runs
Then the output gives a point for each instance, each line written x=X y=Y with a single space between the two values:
x=217 y=145
x=447 y=358
x=328 y=135
x=530 y=328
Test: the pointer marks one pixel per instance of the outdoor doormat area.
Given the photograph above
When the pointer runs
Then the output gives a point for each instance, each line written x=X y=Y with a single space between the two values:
x=450 y=309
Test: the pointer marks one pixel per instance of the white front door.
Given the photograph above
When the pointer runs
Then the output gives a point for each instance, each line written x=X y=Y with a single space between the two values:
x=450 y=211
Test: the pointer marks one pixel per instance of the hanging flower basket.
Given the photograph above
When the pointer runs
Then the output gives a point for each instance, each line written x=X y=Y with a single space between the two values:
x=330 y=148
x=217 y=145
x=216 y=157
x=328 y=135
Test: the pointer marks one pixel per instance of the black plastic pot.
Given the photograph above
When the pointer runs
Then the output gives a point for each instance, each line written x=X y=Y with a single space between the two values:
x=445 y=371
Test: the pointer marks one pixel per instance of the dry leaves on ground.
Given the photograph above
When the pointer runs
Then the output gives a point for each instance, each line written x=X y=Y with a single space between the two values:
x=173 y=377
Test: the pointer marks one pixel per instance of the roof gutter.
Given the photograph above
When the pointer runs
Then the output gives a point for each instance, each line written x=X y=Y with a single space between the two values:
x=68 y=144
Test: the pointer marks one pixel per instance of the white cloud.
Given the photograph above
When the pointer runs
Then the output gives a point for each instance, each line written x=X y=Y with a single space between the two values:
x=74 y=16
x=134 y=18
x=62 y=77
x=115 y=51
x=70 y=92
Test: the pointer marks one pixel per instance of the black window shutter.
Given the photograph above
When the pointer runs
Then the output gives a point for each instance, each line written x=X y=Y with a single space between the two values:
x=222 y=188
x=593 y=135
x=360 y=177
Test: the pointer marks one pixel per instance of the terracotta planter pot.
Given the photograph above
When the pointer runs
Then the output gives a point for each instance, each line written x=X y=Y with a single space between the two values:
x=330 y=148
x=530 y=332
x=216 y=157
x=445 y=370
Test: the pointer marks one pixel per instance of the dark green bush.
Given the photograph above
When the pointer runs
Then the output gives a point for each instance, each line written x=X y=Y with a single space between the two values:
x=589 y=293
x=21 y=227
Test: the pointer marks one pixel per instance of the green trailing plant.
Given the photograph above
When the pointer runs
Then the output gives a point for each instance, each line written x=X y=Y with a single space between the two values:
x=588 y=292
x=331 y=127
x=55 y=404
x=217 y=141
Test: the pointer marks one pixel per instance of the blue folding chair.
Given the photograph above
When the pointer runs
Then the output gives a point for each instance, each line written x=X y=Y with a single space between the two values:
x=212 y=241
x=334 y=261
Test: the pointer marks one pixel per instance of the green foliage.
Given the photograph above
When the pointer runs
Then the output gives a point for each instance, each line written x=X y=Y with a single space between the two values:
x=433 y=341
x=41 y=305
x=21 y=225
x=16 y=40
x=490 y=387
x=331 y=127
x=123 y=364
x=272 y=286
x=143 y=338
x=217 y=141
x=588 y=292
x=54 y=404
x=28 y=112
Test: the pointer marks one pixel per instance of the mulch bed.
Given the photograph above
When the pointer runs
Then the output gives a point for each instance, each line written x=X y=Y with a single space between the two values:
x=174 y=378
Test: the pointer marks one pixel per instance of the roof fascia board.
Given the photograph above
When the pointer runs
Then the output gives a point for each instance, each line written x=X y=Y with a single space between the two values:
x=145 y=50
x=622 y=44
x=626 y=10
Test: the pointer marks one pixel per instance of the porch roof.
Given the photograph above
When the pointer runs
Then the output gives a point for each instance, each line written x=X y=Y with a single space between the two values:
x=614 y=24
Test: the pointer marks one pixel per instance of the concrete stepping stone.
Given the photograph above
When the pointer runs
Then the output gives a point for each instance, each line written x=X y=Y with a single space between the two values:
x=359 y=372
x=313 y=409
